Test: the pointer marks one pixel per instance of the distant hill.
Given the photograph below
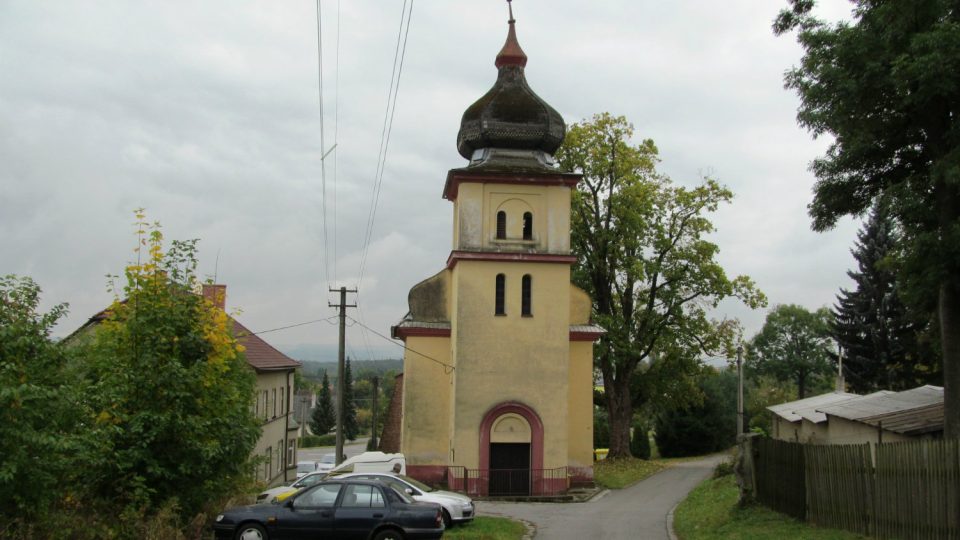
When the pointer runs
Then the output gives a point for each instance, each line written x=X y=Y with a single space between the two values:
x=314 y=370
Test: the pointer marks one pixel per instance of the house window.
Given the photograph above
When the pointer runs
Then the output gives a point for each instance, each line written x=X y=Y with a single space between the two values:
x=274 y=393
x=291 y=452
x=527 y=226
x=501 y=225
x=525 y=296
x=282 y=412
x=279 y=461
x=501 y=286
x=266 y=398
x=268 y=466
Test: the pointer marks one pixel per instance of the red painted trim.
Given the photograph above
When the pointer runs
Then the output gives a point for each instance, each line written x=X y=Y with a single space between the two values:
x=454 y=179
x=432 y=475
x=536 y=432
x=403 y=332
x=585 y=336
x=456 y=256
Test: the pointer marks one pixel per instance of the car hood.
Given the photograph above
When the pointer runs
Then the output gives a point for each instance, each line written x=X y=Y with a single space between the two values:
x=440 y=495
x=238 y=513
x=269 y=494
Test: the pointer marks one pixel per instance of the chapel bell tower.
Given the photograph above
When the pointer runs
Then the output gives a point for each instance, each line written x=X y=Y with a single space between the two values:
x=498 y=375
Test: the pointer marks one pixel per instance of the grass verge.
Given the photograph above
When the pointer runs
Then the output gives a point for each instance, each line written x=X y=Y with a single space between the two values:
x=487 y=528
x=711 y=512
x=620 y=473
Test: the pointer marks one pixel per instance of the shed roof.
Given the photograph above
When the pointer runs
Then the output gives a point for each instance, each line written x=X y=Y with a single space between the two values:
x=794 y=411
x=915 y=411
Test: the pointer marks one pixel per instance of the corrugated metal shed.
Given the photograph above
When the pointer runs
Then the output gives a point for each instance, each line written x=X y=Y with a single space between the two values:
x=911 y=412
x=794 y=411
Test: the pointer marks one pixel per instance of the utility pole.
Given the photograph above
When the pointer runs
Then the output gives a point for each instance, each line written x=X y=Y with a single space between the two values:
x=739 y=390
x=340 y=367
x=373 y=432
x=841 y=387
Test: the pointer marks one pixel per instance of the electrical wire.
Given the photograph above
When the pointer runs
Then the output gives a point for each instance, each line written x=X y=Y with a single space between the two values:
x=323 y=148
x=327 y=320
x=447 y=368
x=399 y=54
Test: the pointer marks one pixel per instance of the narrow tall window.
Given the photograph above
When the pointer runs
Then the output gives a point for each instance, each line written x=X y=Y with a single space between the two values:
x=501 y=225
x=525 y=296
x=527 y=226
x=501 y=286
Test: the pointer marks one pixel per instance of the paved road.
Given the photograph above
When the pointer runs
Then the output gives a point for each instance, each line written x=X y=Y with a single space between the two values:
x=638 y=512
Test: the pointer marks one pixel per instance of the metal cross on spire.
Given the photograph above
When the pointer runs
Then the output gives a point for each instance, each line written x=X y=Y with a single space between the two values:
x=510 y=7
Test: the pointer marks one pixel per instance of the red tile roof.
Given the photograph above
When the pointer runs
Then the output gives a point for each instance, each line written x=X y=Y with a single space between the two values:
x=261 y=355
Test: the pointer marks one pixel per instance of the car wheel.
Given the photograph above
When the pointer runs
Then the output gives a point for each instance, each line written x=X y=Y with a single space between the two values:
x=389 y=534
x=447 y=521
x=251 y=531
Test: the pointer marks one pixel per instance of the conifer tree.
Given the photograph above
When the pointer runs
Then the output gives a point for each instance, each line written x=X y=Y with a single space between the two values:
x=881 y=342
x=351 y=428
x=323 y=417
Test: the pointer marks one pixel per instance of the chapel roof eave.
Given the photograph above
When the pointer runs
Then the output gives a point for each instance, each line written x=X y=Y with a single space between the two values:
x=497 y=175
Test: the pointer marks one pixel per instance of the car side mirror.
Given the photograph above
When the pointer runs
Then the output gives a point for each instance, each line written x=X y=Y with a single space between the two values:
x=288 y=503
x=409 y=491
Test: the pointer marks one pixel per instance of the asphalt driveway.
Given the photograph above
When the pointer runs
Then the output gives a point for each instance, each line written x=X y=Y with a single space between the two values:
x=638 y=512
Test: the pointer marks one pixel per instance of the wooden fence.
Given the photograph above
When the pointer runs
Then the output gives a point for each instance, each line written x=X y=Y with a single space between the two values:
x=892 y=490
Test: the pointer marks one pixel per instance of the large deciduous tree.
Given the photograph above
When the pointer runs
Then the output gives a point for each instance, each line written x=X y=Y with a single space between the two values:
x=884 y=344
x=793 y=345
x=643 y=258
x=886 y=87
x=167 y=394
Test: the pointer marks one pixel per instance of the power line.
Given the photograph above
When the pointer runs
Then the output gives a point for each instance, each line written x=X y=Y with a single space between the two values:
x=336 y=130
x=327 y=320
x=395 y=72
x=323 y=148
x=447 y=368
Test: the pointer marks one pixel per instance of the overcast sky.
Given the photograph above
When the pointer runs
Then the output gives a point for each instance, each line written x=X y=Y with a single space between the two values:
x=207 y=115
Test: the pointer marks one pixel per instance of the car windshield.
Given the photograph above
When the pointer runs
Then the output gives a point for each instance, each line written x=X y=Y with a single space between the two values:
x=308 y=480
x=306 y=467
x=416 y=483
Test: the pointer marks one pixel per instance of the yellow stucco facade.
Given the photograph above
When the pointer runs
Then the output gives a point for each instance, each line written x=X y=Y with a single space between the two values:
x=466 y=356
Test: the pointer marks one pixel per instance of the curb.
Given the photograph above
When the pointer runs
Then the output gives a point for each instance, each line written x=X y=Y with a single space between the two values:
x=670 y=532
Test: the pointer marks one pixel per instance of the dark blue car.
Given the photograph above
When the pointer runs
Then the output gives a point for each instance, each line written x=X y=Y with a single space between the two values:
x=342 y=509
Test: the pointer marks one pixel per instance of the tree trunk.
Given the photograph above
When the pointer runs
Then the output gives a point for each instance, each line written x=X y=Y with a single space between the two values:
x=948 y=199
x=949 y=304
x=620 y=411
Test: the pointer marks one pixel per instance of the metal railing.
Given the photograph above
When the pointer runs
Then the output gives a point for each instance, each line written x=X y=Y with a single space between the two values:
x=508 y=482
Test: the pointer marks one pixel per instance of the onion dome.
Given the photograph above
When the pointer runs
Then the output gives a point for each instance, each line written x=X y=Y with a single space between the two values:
x=510 y=116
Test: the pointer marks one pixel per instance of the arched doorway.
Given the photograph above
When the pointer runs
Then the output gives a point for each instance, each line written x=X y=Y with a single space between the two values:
x=511 y=445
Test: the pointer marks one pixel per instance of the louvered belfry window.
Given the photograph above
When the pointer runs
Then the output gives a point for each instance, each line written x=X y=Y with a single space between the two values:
x=501 y=225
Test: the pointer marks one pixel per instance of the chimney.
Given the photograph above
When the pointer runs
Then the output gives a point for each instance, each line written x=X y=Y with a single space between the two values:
x=216 y=294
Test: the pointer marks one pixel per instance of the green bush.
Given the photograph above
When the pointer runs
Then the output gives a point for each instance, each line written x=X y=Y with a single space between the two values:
x=601 y=429
x=310 y=441
x=705 y=428
x=640 y=442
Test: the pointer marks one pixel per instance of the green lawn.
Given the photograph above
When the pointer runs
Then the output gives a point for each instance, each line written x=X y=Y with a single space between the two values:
x=710 y=512
x=620 y=473
x=487 y=528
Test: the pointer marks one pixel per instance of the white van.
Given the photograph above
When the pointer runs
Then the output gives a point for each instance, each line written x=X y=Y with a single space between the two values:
x=371 y=462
